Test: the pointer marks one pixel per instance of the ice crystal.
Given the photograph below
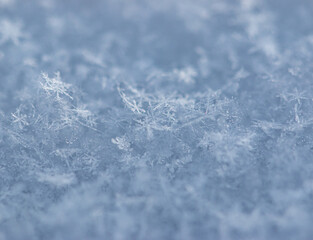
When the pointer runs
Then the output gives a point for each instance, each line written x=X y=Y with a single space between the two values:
x=169 y=119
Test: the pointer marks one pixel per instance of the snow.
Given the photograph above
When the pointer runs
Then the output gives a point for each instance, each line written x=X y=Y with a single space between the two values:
x=169 y=119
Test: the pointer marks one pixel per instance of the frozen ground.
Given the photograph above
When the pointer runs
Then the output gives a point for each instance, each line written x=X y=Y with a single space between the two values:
x=156 y=120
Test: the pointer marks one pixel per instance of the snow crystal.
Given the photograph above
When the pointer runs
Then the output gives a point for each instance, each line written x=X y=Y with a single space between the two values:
x=168 y=119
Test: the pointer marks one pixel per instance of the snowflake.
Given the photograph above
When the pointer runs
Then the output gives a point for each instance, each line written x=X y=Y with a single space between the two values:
x=19 y=118
x=10 y=31
x=186 y=75
x=297 y=96
x=121 y=143
x=130 y=103
x=54 y=86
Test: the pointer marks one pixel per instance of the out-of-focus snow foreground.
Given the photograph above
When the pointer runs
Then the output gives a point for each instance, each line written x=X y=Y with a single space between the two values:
x=149 y=120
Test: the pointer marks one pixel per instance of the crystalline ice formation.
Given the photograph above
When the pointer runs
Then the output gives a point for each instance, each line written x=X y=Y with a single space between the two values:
x=169 y=119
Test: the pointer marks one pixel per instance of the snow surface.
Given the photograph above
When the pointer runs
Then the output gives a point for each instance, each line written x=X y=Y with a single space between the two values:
x=150 y=120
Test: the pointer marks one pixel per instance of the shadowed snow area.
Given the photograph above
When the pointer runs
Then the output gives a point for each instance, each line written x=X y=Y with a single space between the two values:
x=156 y=120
